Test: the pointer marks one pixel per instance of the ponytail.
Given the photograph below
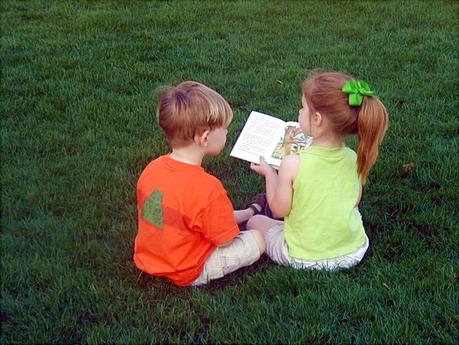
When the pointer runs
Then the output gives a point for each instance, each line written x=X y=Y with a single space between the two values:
x=372 y=123
x=352 y=108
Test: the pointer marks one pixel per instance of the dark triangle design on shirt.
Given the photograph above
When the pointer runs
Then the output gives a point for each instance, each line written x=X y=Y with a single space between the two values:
x=152 y=210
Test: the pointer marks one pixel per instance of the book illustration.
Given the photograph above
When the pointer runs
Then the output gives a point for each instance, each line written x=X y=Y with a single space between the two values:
x=291 y=142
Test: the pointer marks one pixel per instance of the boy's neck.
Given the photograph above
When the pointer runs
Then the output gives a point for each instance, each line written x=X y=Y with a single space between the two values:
x=188 y=154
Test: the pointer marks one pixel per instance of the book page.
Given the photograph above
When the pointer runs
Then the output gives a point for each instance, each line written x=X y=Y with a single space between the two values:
x=258 y=137
x=290 y=141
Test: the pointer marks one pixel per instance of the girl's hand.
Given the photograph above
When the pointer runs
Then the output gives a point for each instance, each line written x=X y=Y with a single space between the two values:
x=263 y=168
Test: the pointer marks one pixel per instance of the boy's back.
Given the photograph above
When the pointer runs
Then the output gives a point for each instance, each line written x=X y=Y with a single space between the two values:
x=187 y=230
x=183 y=214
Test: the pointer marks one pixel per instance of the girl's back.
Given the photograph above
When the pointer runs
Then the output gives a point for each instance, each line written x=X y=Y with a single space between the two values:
x=324 y=222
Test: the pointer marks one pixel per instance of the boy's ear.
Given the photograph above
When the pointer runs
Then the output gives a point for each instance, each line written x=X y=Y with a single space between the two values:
x=201 y=138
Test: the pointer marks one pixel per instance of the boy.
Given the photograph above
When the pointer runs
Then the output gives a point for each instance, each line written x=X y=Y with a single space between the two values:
x=187 y=228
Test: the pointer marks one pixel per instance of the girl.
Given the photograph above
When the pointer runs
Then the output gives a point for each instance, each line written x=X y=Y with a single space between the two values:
x=318 y=191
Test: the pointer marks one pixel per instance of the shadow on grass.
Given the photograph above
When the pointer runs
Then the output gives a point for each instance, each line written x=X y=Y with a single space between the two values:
x=146 y=282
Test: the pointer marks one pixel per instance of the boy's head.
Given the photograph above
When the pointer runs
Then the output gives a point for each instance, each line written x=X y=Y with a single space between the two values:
x=189 y=109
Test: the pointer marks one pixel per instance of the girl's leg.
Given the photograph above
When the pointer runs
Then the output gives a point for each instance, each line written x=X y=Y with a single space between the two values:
x=255 y=206
x=272 y=232
x=262 y=223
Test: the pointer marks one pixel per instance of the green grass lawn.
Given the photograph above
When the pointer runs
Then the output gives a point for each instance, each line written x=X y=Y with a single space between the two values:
x=79 y=89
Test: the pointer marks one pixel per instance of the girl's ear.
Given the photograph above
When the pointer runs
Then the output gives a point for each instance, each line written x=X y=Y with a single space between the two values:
x=317 y=118
x=202 y=138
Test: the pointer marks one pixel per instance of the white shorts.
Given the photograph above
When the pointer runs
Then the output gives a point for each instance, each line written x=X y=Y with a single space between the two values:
x=242 y=251
x=277 y=250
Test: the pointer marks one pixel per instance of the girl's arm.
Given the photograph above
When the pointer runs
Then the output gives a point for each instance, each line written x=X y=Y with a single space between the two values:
x=360 y=196
x=281 y=197
x=279 y=187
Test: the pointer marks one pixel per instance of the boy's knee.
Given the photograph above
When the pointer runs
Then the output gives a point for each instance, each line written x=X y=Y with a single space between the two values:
x=260 y=240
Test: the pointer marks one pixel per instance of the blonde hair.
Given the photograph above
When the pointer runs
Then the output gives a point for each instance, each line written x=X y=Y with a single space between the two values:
x=188 y=110
x=369 y=121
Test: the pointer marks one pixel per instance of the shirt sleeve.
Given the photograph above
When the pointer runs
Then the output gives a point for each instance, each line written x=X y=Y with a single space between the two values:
x=219 y=223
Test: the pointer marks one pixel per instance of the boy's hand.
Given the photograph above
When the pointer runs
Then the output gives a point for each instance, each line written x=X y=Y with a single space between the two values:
x=263 y=168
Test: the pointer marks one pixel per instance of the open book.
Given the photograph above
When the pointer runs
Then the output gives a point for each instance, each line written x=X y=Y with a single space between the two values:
x=269 y=137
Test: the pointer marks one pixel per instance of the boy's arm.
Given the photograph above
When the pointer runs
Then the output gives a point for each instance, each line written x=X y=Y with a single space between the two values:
x=219 y=225
x=242 y=216
x=224 y=244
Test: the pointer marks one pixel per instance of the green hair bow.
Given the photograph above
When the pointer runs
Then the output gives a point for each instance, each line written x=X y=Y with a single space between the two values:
x=356 y=90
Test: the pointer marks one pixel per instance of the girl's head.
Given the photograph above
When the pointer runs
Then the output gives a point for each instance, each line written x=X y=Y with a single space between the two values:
x=323 y=94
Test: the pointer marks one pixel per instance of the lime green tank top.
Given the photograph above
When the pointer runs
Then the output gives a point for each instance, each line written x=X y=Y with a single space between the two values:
x=323 y=222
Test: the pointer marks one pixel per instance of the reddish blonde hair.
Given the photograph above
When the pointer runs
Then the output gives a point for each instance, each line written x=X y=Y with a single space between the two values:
x=369 y=121
x=189 y=109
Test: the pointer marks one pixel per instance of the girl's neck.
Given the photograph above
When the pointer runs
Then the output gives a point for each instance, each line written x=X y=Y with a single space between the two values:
x=330 y=140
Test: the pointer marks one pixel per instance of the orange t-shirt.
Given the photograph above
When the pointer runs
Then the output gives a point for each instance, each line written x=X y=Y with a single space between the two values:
x=183 y=214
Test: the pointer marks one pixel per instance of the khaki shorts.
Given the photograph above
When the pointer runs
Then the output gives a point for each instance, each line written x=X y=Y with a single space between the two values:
x=277 y=250
x=242 y=251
